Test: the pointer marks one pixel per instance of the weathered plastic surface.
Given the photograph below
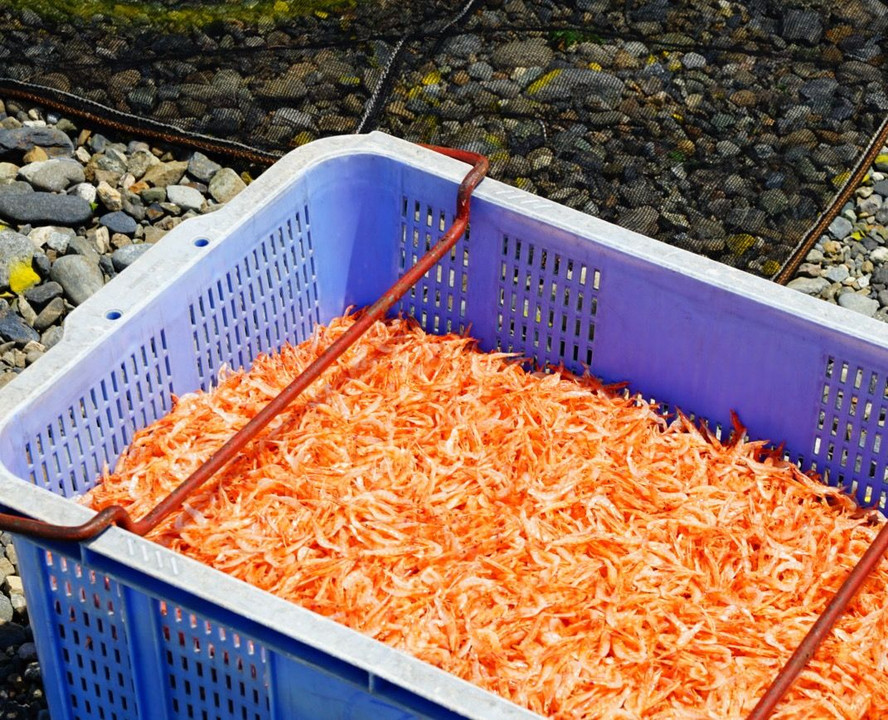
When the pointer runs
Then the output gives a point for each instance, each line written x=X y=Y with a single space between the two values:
x=127 y=629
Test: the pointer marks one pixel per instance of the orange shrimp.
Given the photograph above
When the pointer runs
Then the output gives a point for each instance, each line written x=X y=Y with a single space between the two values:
x=548 y=538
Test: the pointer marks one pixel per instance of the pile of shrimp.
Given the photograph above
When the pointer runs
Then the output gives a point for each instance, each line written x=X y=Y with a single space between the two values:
x=547 y=538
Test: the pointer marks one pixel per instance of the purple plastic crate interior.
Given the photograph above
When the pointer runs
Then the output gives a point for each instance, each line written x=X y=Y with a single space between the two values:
x=128 y=629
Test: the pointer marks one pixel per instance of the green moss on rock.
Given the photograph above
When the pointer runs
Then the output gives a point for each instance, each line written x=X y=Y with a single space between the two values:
x=740 y=243
x=157 y=14
x=770 y=268
x=541 y=82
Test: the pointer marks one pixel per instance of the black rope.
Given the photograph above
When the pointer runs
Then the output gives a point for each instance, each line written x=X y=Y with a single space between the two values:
x=381 y=92
x=382 y=89
x=127 y=122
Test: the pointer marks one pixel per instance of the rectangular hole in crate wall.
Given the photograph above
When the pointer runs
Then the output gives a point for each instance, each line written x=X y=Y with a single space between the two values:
x=848 y=437
x=91 y=632
x=438 y=300
x=212 y=671
x=70 y=452
x=546 y=294
x=266 y=298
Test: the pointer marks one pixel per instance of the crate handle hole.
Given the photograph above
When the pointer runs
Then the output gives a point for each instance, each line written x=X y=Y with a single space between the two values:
x=201 y=242
x=113 y=315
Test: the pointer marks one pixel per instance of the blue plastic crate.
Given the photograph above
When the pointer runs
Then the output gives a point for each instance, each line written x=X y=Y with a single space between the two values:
x=127 y=629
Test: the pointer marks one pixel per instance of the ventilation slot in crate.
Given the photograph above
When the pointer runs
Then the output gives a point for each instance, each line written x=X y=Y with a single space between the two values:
x=850 y=443
x=92 y=641
x=213 y=672
x=438 y=300
x=267 y=298
x=69 y=453
x=547 y=303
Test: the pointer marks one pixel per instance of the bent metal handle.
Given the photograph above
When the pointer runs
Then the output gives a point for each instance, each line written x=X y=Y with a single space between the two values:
x=117 y=515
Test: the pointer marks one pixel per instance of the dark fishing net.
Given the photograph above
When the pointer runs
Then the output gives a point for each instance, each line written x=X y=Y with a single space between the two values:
x=725 y=128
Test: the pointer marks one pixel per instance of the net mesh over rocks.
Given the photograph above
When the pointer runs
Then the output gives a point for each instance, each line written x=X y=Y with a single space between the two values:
x=724 y=128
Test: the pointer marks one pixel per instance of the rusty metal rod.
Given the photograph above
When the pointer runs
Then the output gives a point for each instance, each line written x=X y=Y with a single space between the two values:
x=117 y=515
x=820 y=629
x=858 y=173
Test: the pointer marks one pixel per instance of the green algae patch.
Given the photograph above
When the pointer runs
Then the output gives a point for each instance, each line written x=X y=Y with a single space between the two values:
x=770 y=268
x=302 y=138
x=21 y=277
x=839 y=180
x=740 y=243
x=158 y=14
x=540 y=83
x=524 y=183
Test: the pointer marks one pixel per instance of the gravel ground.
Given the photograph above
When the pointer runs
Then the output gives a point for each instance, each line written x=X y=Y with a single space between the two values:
x=725 y=134
x=21 y=689
x=122 y=197
x=718 y=126
x=78 y=209
x=849 y=264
